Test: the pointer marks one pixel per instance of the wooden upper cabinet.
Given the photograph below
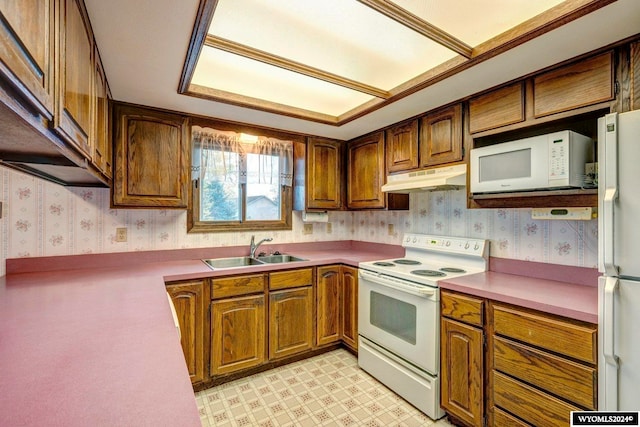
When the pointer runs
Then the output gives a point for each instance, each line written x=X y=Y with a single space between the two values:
x=501 y=107
x=634 y=103
x=190 y=302
x=151 y=158
x=366 y=172
x=102 y=150
x=441 y=136
x=75 y=95
x=402 y=147
x=587 y=82
x=27 y=50
x=324 y=174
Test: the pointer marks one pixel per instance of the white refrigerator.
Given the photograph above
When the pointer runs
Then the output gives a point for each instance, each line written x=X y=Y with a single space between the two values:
x=619 y=262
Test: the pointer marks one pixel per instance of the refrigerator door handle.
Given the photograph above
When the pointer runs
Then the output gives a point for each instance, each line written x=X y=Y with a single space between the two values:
x=610 y=196
x=608 y=381
x=610 y=288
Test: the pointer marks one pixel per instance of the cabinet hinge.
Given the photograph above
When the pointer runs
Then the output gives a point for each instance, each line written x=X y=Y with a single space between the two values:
x=616 y=88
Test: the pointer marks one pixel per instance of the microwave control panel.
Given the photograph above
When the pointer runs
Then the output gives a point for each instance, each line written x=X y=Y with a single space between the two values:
x=558 y=148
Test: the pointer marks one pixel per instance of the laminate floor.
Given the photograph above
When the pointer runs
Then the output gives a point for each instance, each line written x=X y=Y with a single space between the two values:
x=326 y=390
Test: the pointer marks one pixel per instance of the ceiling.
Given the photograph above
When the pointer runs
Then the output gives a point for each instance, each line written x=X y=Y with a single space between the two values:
x=371 y=75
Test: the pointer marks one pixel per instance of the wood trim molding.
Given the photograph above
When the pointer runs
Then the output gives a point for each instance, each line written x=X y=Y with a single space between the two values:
x=419 y=25
x=296 y=67
x=200 y=29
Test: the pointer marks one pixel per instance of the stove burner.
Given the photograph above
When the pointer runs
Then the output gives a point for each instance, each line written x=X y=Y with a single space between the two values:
x=428 y=273
x=452 y=270
x=384 y=264
x=407 y=262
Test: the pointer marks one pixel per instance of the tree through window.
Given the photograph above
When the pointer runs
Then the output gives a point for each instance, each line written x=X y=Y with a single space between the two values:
x=240 y=181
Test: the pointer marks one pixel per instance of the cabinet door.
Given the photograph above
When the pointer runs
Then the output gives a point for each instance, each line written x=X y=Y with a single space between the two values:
x=190 y=304
x=366 y=172
x=74 y=116
x=587 y=82
x=151 y=158
x=402 y=147
x=328 y=305
x=290 y=322
x=441 y=137
x=324 y=174
x=501 y=107
x=27 y=50
x=349 y=307
x=237 y=334
x=462 y=371
x=102 y=147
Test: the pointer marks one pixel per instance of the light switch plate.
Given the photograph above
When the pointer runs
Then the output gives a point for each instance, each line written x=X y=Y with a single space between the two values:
x=308 y=229
x=121 y=234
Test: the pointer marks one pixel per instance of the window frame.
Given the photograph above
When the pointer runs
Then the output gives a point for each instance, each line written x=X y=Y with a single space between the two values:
x=195 y=225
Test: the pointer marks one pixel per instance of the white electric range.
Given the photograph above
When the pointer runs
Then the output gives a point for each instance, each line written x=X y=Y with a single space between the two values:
x=398 y=313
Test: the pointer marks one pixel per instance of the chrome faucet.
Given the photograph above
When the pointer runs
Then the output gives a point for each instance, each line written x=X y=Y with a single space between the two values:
x=253 y=246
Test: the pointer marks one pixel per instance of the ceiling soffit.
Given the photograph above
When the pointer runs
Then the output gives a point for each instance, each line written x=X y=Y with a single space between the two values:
x=296 y=74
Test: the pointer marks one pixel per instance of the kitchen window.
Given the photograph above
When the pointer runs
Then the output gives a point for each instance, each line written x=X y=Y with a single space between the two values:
x=239 y=182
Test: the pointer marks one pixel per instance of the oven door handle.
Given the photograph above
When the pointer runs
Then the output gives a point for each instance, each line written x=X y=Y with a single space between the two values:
x=390 y=282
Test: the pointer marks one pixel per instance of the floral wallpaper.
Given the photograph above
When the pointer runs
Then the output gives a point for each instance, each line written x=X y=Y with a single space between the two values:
x=44 y=219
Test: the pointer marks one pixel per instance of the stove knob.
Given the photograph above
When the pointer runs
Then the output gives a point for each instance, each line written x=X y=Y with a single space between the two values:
x=466 y=246
x=415 y=239
x=448 y=243
x=476 y=247
x=408 y=239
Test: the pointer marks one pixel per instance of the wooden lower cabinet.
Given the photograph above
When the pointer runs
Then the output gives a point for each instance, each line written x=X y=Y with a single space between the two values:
x=337 y=306
x=190 y=301
x=535 y=370
x=290 y=321
x=238 y=334
x=462 y=358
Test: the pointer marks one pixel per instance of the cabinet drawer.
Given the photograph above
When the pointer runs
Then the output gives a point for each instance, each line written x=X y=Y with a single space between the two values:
x=291 y=279
x=584 y=83
x=505 y=419
x=570 y=338
x=238 y=285
x=501 y=107
x=464 y=308
x=530 y=404
x=564 y=378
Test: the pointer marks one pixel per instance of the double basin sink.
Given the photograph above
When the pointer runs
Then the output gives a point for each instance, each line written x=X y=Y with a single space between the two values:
x=245 y=261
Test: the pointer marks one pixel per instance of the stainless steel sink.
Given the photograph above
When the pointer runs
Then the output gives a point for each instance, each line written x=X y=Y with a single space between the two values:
x=272 y=259
x=240 y=261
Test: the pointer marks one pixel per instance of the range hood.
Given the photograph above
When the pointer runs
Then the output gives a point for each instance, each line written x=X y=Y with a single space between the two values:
x=437 y=179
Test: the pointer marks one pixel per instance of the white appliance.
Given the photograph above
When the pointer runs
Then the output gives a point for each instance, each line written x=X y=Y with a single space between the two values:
x=399 y=313
x=619 y=261
x=443 y=178
x=554 y=160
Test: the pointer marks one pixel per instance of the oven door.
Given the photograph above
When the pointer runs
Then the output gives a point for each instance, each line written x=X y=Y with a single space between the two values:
x=403 y=320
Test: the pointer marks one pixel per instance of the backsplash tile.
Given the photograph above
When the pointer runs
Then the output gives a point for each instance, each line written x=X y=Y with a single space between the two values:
x=45 y=219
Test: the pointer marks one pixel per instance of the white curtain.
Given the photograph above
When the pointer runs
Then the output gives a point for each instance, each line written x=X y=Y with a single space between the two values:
x=216 y=151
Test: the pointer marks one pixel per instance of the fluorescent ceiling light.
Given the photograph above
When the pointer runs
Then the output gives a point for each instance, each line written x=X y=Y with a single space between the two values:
x=333 y=60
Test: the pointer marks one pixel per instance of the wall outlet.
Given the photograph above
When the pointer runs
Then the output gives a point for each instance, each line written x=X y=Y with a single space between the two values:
x=308 y=229
x=391 y=229
x=121 y=234
x=329 y=228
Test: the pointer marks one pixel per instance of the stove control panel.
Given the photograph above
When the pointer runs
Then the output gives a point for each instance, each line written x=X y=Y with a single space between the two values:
x=459 y=245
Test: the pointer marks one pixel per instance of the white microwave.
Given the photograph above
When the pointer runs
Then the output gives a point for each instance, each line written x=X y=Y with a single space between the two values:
x=554 y=160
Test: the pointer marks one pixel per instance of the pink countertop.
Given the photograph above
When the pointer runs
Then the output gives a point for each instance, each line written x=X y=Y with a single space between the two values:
x=578 y=300
x=90 y=340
